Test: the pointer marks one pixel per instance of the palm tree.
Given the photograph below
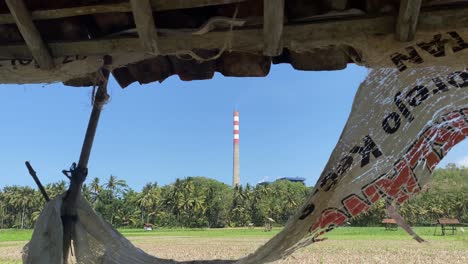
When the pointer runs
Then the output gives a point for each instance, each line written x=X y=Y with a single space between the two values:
x=86 y=192
x=176 y=199
x=95 y=188
x=24 y=199
x=2 y=209
x=115 y=185
x=148 y=201
x=56 y=188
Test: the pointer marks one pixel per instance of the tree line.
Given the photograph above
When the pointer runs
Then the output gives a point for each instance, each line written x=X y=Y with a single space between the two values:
x=201 y=202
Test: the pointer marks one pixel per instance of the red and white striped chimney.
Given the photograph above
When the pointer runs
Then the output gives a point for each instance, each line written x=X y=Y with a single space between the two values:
x=236 y=165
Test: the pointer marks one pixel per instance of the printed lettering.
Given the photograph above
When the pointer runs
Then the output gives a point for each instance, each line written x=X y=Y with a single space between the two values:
x=344 y=165
x=441 y=86
x=329 y=181
x=369 y=148
x=401 y=184
x=402 y=107
x=355 y=205
x=417 y=95
x=391 y=123
x=458 y=79
x=461 y=43
x=436 y=47
x=413 y=56
x=307 y=211
x=417 y=151
x=371 y=192
x=432 y=159
x=329 y=218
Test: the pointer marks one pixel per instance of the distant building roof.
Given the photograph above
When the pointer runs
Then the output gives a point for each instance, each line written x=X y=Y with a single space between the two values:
x=293 y=179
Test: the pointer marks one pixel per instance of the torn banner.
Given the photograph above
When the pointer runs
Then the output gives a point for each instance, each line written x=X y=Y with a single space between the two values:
x=404 y=120
x=390 y=150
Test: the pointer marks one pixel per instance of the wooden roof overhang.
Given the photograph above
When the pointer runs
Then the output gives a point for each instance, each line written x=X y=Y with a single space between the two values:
x=150 y=40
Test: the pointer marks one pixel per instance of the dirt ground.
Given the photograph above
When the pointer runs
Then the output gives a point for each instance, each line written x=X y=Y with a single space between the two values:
x=330 y=251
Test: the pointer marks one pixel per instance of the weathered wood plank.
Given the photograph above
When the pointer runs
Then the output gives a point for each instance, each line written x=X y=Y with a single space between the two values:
x=144 y=21
x=31 y=35
x=304 y=35
x=157 y=5
x=160 y=5
x=273 y=19
x=407 y=19
x=71 y=12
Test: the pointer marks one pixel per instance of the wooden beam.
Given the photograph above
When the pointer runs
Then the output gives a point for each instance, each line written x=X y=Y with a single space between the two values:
x=30 y=34
x=144 y=21
x=273 y=19
x=443 y=2
x=157 y=5
x=407 y=19
x=303 y=35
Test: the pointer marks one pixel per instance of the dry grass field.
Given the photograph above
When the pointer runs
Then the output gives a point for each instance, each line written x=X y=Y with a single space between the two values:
x=347 y=245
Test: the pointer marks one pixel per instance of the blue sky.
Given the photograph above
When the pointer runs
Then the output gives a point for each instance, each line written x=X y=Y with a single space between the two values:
x=290 y=122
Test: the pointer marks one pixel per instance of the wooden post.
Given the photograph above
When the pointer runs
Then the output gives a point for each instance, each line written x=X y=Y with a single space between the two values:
x=407 y=19
x=273 y=19
x=31 y=35
x=144 y=21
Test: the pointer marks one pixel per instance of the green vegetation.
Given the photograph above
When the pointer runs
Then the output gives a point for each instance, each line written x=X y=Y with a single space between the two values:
x=193 y=202
x=342 y=233
x=379 y=233
x=198 y=202
x=9 y=235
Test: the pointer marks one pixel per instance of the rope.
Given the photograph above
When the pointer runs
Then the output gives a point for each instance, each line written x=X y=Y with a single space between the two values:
x=99 y=79
x=207 y=27
x=210 y=25
x=226 y=46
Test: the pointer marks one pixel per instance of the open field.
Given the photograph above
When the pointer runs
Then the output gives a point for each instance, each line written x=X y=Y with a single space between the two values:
x=345 y=245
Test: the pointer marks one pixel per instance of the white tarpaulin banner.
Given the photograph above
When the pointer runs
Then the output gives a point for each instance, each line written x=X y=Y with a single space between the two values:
x=404 y=120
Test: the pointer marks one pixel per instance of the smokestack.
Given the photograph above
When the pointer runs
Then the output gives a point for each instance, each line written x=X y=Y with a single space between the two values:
x=236 y=165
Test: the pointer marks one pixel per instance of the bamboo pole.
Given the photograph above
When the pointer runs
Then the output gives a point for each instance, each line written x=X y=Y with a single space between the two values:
x=79 y=173
x=33 y=174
